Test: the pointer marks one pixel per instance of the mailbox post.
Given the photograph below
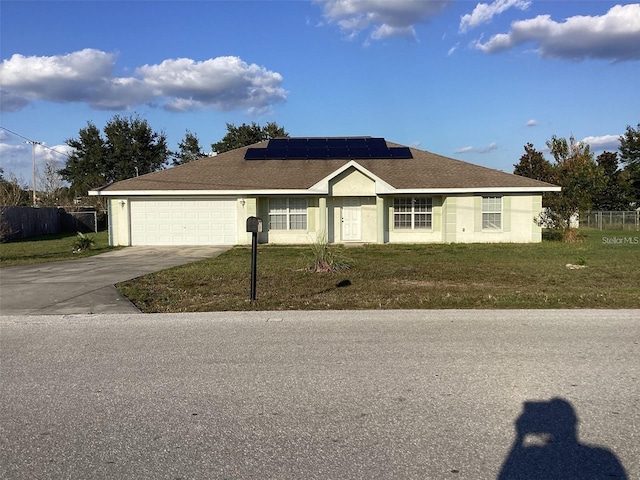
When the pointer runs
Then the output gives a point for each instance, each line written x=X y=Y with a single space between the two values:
x=254 y=226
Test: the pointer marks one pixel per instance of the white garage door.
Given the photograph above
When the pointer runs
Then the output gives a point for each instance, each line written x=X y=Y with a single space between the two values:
x=184 y=222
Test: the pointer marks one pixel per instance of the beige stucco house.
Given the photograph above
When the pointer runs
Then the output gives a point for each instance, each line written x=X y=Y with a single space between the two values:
x=355 y=189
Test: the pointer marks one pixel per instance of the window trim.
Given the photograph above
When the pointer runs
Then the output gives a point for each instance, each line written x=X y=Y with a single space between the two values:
x=485 y=211
x=290 y=214
x=413 y=214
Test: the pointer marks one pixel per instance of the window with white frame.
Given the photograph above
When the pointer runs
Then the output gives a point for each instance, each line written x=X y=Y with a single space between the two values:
x=287 y=214
x=491 y=213
x=412 y=213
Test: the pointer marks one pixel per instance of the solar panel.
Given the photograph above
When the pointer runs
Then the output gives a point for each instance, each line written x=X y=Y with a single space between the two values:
x=338 y=152
x=317 y=143
x=377 y=143
x=293 y=152
x=255 y=154
x=359 y=152
x=278 y=143
x=357 y=142
x=327 y=148
x=297 y=143
x=400 y=152
x=336 y=142
x=317 y=152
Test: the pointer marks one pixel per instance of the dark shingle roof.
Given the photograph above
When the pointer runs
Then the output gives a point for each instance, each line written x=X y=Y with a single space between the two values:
x=230 y=171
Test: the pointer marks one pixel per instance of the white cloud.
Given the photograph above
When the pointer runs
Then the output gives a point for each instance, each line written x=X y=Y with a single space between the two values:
x=532 y=123
x=453 y=49
x=489 y=148
x=484 y=12
x=603 y=142
x=223 y=83
x=385 y=18
x=613 y=36
x=4 y=135
x=464 y=150
x=14 y=158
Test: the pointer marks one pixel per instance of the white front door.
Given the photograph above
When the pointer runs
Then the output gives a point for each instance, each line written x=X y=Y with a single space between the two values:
x=350 y=219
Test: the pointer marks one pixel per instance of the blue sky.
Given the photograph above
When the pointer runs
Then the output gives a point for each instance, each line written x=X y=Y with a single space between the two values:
x=470 y=80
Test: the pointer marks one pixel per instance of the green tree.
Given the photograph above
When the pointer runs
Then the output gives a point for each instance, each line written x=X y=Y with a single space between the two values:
x=532 y=164
x=133 y=148
x=630 y=156
x=128 y=148
x=244 y=135
x=617 y=188
x=581 y=180
x=86 y=165
x=190 y=149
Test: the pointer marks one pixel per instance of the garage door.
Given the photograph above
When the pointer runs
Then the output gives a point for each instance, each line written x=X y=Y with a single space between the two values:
x=184 y=222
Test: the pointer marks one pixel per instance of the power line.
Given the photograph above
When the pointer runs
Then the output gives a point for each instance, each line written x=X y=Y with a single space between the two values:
x=30 y=141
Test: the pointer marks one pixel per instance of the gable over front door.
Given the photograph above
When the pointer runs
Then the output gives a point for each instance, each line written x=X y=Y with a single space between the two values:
x=351 y=220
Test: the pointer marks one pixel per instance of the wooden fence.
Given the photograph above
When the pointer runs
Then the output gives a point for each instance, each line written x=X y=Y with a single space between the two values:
x=26 y=222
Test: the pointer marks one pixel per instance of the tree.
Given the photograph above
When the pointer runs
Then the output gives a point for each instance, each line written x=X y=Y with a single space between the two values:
x=244 y=135
x=12 y=194
x=617 y=188
x=86 y=166
x=532 y=164
x=133 y=148
x=52 y=189
x=630 y=156
x=581 y=180
x=129 y=148
x=189 y=149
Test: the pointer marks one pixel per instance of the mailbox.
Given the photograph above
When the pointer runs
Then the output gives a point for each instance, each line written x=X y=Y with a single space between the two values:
x=254 y=225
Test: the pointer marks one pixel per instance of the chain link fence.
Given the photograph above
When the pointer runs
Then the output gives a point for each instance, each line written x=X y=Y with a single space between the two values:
x=613 y=220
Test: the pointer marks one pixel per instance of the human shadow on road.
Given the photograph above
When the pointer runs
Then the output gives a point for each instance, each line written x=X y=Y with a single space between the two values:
x=546 y=447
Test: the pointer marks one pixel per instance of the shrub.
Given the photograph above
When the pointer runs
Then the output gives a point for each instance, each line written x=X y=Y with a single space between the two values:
x=82 y=242
x=324 y=258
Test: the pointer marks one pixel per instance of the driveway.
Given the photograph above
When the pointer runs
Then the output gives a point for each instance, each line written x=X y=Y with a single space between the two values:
x=87 y=285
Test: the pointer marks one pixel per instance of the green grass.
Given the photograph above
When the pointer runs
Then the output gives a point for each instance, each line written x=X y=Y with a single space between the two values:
x=405 y=276
x=49 y=248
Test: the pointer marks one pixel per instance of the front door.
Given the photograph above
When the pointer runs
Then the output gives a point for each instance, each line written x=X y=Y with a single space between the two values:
x=350 y=219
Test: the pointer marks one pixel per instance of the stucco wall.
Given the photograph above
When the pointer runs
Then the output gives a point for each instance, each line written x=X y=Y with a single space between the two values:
x=518 y=212
x=118 y=211
x=429 y=235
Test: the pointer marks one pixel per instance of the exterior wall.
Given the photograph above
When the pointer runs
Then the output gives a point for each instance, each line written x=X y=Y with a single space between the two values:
x=247 y=207
x=118 y=220
x=454 y=218
x=518 y=226
x=352 y=183
x=368 y=219
x=431 y=235
x=292 y=237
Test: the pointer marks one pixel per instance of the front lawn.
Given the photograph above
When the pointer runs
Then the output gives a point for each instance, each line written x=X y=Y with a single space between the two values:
x=49 y=248
x=606 y=274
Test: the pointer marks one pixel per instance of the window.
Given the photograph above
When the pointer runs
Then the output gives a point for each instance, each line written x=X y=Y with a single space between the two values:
x=491 y=213
x=288 y=214
x=412 y=213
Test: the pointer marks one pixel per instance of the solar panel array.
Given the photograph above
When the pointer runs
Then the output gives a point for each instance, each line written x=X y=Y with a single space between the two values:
x=327 y=148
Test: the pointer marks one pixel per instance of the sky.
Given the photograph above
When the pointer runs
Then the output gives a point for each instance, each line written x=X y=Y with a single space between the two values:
x=472 y=81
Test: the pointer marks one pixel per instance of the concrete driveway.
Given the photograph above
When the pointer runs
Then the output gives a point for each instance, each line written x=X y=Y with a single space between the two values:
x=87 y=285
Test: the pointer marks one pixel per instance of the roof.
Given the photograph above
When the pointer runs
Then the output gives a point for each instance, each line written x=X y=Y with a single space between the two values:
x=230 y=173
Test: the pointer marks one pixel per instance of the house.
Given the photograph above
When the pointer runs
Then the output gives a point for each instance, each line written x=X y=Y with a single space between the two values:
x=354 y=189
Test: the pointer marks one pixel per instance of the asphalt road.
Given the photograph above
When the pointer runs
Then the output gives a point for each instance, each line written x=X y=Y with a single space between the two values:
x=326 y=395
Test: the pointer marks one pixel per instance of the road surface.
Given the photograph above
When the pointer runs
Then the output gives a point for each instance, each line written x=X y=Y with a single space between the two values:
x=326 y=395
